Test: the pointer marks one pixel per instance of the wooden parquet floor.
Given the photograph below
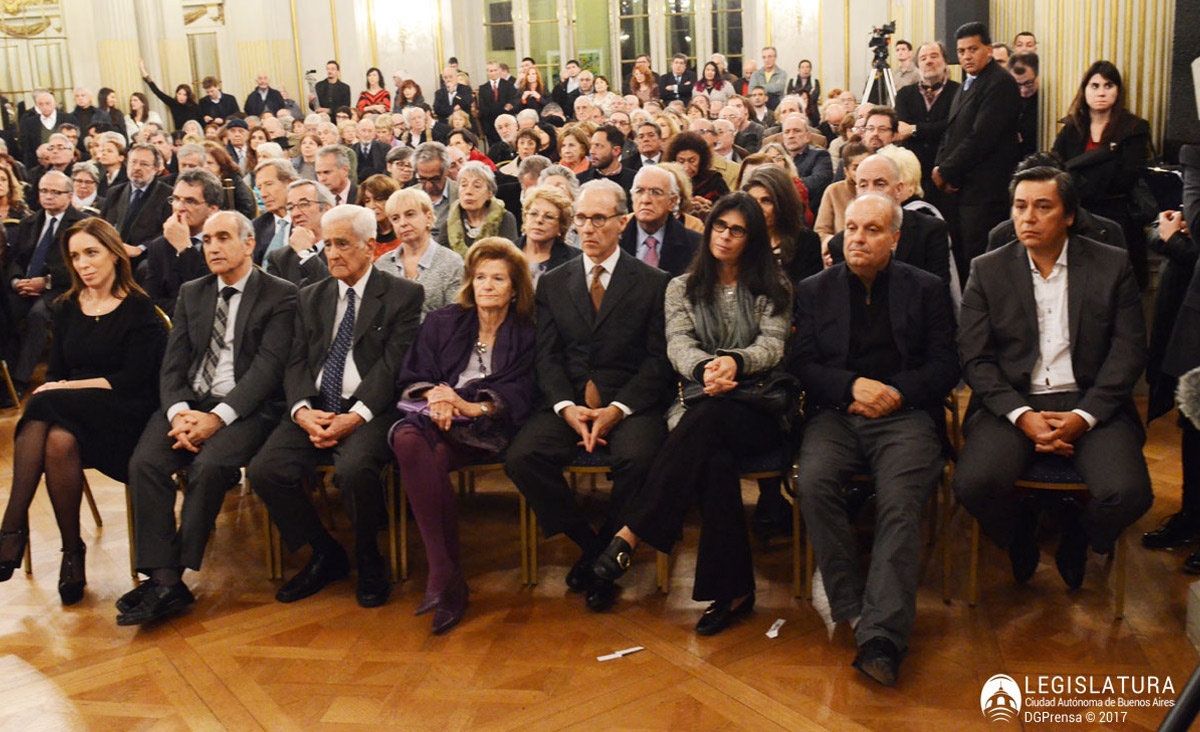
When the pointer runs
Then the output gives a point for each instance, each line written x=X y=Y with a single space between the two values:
x=525 y=657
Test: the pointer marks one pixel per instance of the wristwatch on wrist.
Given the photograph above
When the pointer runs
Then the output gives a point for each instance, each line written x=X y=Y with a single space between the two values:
x=485 y=409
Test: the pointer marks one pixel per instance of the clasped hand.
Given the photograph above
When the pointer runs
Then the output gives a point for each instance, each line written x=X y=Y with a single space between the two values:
x=1053 y=432
x=720 y=375
x=191 y=428
x=326 y=429
x=592 y=425
x=444 y=405
x=874 y=399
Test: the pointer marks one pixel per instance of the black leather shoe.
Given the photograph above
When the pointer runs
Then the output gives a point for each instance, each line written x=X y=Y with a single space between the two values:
x=133 y=598
x=580 y=578
x=320 y=571
x=158 y=602
x=71 y=575
x=373 y=585
x=721 y=614
x=601 y=594
x=1191 y=565
x=452 y=607
x=1179 y=529
x=12 y=543
x=1024 y=552
x=613 y=561
x=879 y=659
x=1071 y=557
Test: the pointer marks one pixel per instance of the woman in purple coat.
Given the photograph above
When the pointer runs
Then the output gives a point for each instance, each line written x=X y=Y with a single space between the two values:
x=466 y=385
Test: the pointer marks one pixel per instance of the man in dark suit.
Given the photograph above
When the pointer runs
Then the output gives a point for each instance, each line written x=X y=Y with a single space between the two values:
x=1052 y=341
x=654 y=234
x=923 y=239
x=37 y=274
x=177 y=255
x=37 y=126
x=497 y=96
x=303 y=261
x=979 y=149
x=262 y=98
x=874 y=348
x=221 y=393
x=139 y=207
x=59 y=155
x=603 y=371
x=272 y=229
x=451 y=96
x=331 y=92
x=371 y=153
x=1024 y=70
x=605 y=156
x=924 y=109
x=813 y=165
x=649 y=141
x=678 y=83
x=333 y=172
x=352 y=331
x=566 y=91
x=215 y=105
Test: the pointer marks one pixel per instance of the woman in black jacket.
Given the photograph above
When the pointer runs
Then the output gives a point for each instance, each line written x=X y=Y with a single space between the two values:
x=1105 y=146
x=183 y=105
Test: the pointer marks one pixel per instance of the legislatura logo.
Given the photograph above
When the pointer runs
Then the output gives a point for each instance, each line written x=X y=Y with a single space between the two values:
x=1000 y=699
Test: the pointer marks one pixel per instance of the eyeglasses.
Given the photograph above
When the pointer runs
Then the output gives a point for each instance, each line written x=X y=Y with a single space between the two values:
x=596 y=221
x=58 y=148
x=547 y=218
x=434 y=179
x=705 y=132
x=189 y=202
x=83 y=180
x=52 y=192
x=871 y=129
x=737 y=232
x=303 y=203
x=649 y=192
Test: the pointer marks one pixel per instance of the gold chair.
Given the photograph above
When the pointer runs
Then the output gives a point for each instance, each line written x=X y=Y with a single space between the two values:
x=8 y=384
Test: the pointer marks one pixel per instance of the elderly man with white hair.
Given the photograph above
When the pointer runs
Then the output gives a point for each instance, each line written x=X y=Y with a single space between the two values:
x=339 y=403
x=654 y=234
x=36 y=128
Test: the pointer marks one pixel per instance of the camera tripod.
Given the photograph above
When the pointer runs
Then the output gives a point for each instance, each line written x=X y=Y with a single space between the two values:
x=881 y=88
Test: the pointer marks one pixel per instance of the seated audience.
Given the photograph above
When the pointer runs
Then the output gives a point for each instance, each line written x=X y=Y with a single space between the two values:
x=654 y=234
x=400 y=165
x=477 y=214
x=220 y=164
x=177 y=256
x=273 y=227
x=373 y=194
x=438 y=269
x=547 y=213
x=139 y=207
x=305 y=159
x=692 y=152
x=832 y=217
x=303 y=261
x=85 y=179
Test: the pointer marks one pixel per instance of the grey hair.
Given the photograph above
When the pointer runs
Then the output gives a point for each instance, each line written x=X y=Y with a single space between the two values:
x=158 y=156
x=432 y=151
x=115 y=138
x=410 y=111
x=527 y=114
x=63 y=138
x=897 y=213
x=88 y=167
x=245 y=229
x=42 y=93
x=565 y=172
x=192 y=148
x=361 y=218
x=509 y=116
x=284 y=170
x=325 y=199
x=269 y=151
x=650 y=169
x=66 y=179
x=340 y=157
x=606 y=185
x=892 y=165
x=533 y=164
x=312 y=119
x=480 y=171
x=214 y=194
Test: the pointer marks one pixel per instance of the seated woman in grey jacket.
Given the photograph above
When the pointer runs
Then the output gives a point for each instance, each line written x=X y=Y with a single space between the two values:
x=419 y=258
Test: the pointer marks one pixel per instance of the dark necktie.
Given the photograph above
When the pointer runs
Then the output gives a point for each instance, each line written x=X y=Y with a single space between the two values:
x=135 y=205
x=495 y=92
x=217 y=342
x=38 y=261
x=335 y=360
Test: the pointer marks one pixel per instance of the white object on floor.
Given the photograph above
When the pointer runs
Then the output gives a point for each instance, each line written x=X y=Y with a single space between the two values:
x=774 y=631
x=617 y=654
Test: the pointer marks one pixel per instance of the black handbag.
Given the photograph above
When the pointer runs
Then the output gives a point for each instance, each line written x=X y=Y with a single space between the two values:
x=775 y=392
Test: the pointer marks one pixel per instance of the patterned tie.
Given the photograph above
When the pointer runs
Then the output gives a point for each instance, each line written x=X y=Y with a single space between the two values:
x=930 y=91
x=280 y=240
x=495 y=92
x=651 y=251
x=217 y=342
x=591 y=395
x=38 y=261
x=335 y=360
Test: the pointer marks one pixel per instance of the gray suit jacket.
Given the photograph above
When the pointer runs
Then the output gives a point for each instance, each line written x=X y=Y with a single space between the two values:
x=386 y=323
x=262 y=339
x=286 y=263
x=998 y=328
x=441 y=281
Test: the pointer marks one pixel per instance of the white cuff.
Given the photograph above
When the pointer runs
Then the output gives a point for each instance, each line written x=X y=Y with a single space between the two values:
x=361 y=410
x=226 y=413
x=563 y=405
x=302 y=404
x=1091 y=421
x=174 y=410
x=628 y=412
x=1015 y=414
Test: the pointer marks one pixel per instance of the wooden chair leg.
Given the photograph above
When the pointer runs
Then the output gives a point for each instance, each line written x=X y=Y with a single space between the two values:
x=28 y=558
x=403 y=519
x=390 y=479
x=132 y=535
x=8 y=384
x=533 y=560
x=973 y=577
x=663 y=572
x=87 y=493
x=1120 y=552
x=808 y=567
x=524 y=541
x=798 y=570
x=944 y=531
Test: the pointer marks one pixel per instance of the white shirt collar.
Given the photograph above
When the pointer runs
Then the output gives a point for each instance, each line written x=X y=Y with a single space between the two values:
x=608 y=264
x=1061 y=262
x=360 y=287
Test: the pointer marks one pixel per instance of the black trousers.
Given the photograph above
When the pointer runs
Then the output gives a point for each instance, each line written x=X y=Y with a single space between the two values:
x=969 y=226
x=1191 y=467
x=698 y=463
x=210 y=472
x=546 y=444
x=288 y=457
x=1109 y=457
x=32 y=319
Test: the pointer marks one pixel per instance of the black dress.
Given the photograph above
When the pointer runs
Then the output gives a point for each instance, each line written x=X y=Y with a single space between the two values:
x=124 y=346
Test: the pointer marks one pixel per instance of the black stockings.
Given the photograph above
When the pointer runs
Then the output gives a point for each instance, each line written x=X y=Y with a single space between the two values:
x=42 y=448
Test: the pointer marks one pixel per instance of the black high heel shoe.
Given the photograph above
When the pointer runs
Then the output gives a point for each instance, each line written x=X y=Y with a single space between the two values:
x=20 y=537
x=71 y=576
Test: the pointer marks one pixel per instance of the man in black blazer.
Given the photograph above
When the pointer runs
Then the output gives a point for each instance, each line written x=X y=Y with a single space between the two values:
x=874 y=348
x=37 y=273
x=221 y=393
x=331 y=92
x=1052 y=341
x=177 y=256
x=922 y=123
x=497 y=96
x=678 y=82
x=215 y=105
x=262 y=98
x=451 y=96
x=979 y=149
x=37 y=126
x=605 y=377
x=923 y=243
x=813 y=165
x=272 y=229
x=655 y=196
x=371 y=153
x=303 y=262
x=141 y=222
x=353 y=328
x=566 y=91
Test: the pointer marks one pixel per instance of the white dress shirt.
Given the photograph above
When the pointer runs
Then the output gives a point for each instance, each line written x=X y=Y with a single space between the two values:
x=351 y=379
x=223 y=378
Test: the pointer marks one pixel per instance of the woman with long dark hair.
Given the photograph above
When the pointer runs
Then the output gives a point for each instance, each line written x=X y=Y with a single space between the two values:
x=1105 y=146
x=727 y=321
x=106 y=103
x=532 y=90
x=101 y=387
x=691 y=151
x=712 y=85
x=219 y=163
x=139 y=114
x=410 y=94
x=183 y=104
x=375 y=98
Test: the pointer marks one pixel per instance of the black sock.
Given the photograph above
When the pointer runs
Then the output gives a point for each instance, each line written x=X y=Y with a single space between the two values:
x=166 y=576
x=588 y=540
x=366 y=546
